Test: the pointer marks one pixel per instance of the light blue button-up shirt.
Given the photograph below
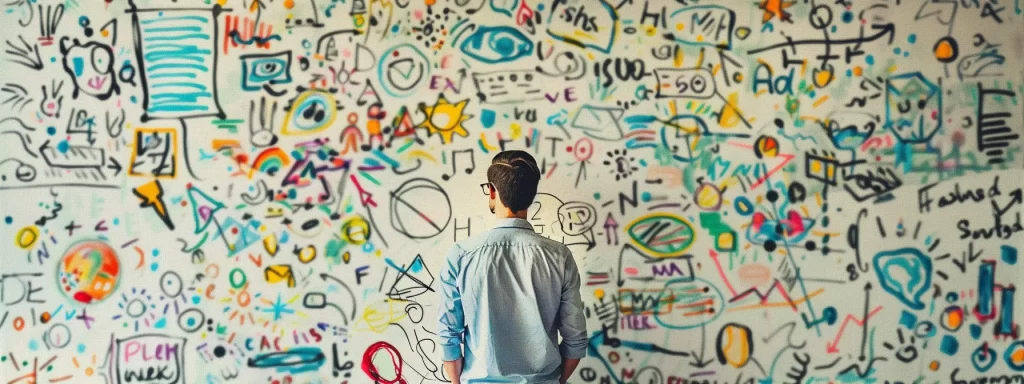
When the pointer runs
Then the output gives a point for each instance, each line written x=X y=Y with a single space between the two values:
x=507 y=295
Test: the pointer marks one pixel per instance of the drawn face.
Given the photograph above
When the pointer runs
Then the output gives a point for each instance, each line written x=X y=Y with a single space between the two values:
x=91 y=68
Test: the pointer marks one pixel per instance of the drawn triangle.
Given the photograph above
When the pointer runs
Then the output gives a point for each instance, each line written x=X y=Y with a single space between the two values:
x=413 y=281
x=203 y=208
x=368 y=95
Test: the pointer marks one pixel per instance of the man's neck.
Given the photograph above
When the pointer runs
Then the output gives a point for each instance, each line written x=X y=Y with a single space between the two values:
x=510 y=215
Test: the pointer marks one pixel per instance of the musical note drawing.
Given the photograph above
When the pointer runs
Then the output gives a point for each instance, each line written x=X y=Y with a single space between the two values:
x=469 y=169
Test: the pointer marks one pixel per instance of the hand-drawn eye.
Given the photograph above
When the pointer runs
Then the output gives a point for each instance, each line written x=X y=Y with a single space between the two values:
x=260 y=70
x=698 y=83
x=497 y=45
x=268 y=69
x=100 y=59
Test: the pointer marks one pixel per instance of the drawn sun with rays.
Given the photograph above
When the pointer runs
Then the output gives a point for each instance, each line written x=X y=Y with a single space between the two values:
x=445 y=118
x=137 y=308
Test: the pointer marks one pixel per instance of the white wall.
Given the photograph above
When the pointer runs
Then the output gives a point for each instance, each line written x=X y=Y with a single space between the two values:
x=194 y=171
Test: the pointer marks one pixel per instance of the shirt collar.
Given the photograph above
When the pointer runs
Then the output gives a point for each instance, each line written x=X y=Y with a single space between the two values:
x=513 y=222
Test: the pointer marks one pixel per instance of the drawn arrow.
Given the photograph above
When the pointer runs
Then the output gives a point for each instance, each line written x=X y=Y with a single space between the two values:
x=721 y=272
x=44 y=146
x=114 y=165
x=867 y=316
x=352 y=313
x=831 y=347
x=610 y=228
x=698 y=361
x=884 y=29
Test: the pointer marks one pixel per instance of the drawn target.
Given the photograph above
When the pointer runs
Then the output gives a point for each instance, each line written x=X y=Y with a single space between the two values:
x=191 y=320
x=171 y=284
x=582 y=150
x=58 y=336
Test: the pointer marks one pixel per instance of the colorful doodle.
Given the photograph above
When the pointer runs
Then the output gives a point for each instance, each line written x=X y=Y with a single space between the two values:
x=262 y=191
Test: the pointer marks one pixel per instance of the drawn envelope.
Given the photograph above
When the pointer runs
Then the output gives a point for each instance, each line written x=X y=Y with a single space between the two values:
x=599 y=122
x=277 y=273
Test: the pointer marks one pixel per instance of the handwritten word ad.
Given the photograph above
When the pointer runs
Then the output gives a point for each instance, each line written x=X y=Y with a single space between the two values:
x=264 y=191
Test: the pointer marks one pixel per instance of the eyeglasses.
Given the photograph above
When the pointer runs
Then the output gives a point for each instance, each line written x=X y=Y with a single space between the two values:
x=487 y=188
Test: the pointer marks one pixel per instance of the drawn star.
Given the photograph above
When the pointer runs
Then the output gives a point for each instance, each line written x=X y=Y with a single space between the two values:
x=445 y=118
x=775 y=8
x=278 y=308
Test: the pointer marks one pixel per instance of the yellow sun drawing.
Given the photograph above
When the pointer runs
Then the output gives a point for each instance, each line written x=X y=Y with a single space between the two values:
x=445 y=118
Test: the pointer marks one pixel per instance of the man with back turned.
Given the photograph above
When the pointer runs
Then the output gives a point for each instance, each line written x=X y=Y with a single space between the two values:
x=508 y=293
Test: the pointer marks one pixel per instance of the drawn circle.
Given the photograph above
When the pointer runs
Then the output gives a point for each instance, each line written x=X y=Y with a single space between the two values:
x=58 y=336
x=135 y=308
x=171 y=284
x=952 y=318
x=576 y=218
x=583 y=149
x=588 y=374
x=708 y=197
x=983 y=358
x=191 y=320
x=415 y=312
x=924 y=330
x=766 y=147
x=420 y=209
x=613 y=357
x=661 y=234
x=649 y=374
x=402 y=69
x=307 y=254
x=734 y=345
x=821 y=16
x=946 y=50
x=355 y=231
x=26 y=237
x=1014 y=355
x=237 y=283
x=24 y=172
x=383 y=363
x=698 y=83
x=743 y=206
x=89 y=271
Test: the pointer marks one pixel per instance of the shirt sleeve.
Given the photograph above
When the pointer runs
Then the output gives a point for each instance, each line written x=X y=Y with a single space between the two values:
x=451 y=318
x=573 y=327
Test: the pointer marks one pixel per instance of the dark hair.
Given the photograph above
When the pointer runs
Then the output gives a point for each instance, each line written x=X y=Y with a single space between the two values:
x=514 y=174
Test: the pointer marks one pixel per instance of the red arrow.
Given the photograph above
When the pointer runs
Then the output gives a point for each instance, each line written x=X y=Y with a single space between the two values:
x=721 y=272
x=831 y=347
